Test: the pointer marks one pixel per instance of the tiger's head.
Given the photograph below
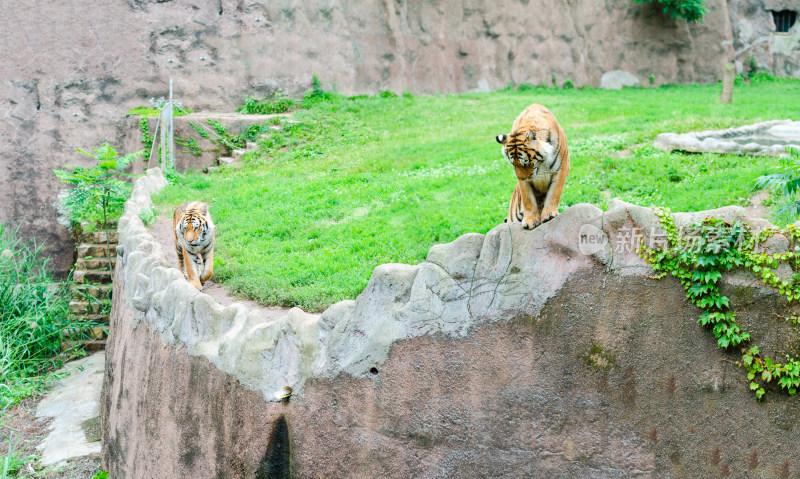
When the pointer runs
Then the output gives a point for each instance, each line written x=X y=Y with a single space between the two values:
x=194 y=227
x=525 y=152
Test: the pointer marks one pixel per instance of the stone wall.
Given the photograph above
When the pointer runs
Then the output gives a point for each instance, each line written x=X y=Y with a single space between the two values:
x=72 y=70
x=756 y=44
x=506 y=355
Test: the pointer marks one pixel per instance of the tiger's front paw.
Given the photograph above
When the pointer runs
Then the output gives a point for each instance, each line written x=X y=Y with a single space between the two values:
x=549 y=216
x=529 y=222
x=197 y=285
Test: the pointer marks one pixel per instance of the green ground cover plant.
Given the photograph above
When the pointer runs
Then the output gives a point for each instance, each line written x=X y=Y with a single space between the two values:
x=351 y=183
x=280 y=103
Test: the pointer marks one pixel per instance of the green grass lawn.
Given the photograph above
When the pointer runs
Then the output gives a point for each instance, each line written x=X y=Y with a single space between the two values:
x=364 y=181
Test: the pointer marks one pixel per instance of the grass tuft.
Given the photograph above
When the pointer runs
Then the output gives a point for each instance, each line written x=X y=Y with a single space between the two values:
x=33 y=313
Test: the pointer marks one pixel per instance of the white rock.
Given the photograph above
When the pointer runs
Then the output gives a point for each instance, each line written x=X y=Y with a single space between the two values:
x=615 y=80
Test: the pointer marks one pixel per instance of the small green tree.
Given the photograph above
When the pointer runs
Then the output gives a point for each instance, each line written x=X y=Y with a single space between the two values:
x=98 y=193
x=690 y=10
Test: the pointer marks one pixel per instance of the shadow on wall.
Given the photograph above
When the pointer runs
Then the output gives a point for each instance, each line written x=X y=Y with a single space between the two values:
x=277 y=461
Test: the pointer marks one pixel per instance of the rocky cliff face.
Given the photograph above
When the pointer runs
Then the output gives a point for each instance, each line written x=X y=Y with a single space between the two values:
x=512 y=354
x=71 y=70
x=757 y=44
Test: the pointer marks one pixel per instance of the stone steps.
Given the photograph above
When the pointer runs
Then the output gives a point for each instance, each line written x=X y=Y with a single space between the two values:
x=92 y=276
x=89 y=332
x=85 y=264
x=89 y=307
x=91 y=251
x=87 y=345
x=228 y=160
x=98 y=291
x=235 y=160
x=99 y=237
x=91 y=289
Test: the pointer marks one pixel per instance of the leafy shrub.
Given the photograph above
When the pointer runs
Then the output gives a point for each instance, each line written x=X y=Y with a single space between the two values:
x=690 y=10
x=261 y=106
x=764 y=77
x=568 y=85
x=316 y=93
x=97 y=194
x=752 y=66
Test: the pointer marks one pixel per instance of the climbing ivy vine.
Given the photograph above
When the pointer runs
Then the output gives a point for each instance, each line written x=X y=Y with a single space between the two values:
x=698 y=260
x=147 y=140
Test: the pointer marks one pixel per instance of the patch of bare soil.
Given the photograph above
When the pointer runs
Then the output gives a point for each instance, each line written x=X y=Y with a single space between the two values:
x=22 y=431
x=757 y=208
x=79 y=468
x=162 y=232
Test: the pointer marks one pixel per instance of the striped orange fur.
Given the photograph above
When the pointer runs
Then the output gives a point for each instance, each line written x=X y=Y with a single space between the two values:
x=194 y=242
x=537 y=147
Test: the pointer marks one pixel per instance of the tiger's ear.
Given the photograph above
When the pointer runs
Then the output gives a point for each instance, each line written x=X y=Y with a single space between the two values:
x=204 y=209
x=531 y=135
x=501 y=139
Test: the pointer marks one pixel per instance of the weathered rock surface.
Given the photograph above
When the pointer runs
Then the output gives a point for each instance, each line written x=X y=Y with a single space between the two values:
x=71 y=71
x=73 y=403
x=755 y=41
x=766 y=138
x=510 y=354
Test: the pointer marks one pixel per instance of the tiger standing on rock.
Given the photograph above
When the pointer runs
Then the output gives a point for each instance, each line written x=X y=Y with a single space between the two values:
x=194 y=242
x=537 y=147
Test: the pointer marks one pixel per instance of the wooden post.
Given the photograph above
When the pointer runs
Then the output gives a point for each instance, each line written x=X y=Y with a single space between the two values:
x=727 y=84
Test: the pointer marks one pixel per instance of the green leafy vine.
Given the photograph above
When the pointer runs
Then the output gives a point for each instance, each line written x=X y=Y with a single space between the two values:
x=147 y=140
x=698 y=260
x=190 y=144
x=200 y=130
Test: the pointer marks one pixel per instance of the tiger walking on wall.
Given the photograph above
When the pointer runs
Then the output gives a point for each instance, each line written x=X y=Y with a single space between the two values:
x=537 y=147
x=194 y=242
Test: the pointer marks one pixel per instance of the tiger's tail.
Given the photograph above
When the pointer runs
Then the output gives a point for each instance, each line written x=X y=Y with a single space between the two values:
x=515 y=209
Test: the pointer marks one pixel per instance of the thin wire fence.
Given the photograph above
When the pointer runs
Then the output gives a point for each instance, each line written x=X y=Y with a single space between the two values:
x=165 y=131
